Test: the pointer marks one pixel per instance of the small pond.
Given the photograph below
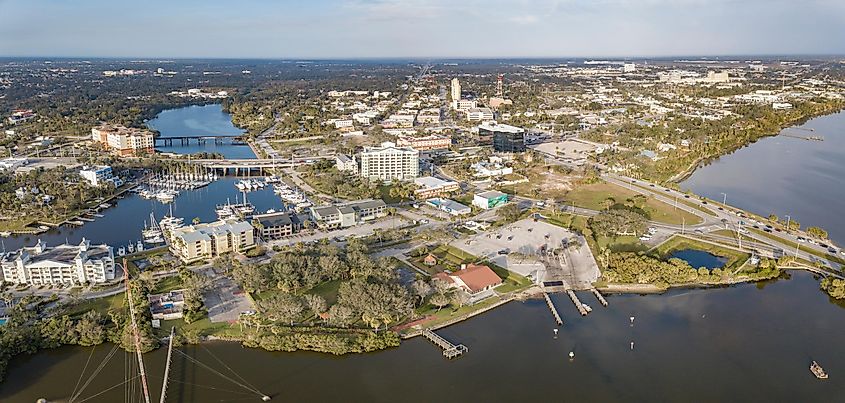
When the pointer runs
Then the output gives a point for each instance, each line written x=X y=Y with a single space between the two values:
x=699 y=258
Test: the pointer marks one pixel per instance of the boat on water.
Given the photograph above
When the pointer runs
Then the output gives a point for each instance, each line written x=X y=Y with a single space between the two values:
x=817 y=370
x=121 y=251
x=5 y=233
x=587 y=308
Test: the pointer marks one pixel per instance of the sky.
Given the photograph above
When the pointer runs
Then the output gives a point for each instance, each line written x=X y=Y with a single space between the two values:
x=419 y=28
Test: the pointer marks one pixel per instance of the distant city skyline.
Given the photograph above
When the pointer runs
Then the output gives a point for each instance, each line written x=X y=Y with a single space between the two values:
x=336 y=29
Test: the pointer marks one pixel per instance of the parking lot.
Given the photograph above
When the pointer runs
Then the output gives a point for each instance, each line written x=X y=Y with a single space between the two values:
x=525 y=247
x=225 y=300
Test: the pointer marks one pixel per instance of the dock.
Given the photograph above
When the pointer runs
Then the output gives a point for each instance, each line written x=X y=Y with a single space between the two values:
x=449 y=350
x=599 y=296
x=808 y=138
x=551 y=305
x=577 y=302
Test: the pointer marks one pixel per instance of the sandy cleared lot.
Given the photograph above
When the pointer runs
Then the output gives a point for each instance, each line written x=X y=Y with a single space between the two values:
x=527 y=243
x=225 y=300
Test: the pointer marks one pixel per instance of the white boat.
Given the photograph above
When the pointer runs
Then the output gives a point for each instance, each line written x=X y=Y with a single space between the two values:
x=139 y=246
x=130 y=248
x=587 y=308
x=154 y=240
x=121 y=251
x=5 y=233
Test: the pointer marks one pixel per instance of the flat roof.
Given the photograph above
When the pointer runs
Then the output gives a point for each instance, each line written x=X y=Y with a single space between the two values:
x=491 y=194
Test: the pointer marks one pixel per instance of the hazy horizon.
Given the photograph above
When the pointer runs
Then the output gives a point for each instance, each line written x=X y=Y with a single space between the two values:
x=420 y=29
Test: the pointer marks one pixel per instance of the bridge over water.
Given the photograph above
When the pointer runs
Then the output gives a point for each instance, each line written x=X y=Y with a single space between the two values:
x=248 y=166
x=200 y=139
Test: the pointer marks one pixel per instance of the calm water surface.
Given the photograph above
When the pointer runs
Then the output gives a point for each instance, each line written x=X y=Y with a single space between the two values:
x=123 y=223
x=206 y=120
x=785 y=176
x=741 y=343
x=699 y=258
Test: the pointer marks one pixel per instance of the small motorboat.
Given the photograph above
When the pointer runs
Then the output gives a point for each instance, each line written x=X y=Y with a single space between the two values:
x=818 y=371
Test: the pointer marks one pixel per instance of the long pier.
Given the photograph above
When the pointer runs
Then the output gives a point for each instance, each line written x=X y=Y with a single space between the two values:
x=551 y=305
x=577 y=302
x=449 y=350
x=599 y=296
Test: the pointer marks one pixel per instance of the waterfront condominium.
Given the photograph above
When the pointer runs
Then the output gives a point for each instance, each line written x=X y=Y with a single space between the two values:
x=59 y=265
x=123 y=140
x=205 y=241
x=389 y=162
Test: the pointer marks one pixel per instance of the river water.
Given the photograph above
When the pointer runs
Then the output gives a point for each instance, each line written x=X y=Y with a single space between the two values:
x=205 y=120
x=122 y=223
x=743 y=343
x=785 y=176
x=750 y=342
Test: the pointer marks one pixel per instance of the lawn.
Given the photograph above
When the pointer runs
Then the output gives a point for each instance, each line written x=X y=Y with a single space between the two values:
x=448 y=312
x=327 y=290
x=204 y=326
x=168 y=284
x=101 y=305
x=675 y=243
x=593 y=197
x=510 y=280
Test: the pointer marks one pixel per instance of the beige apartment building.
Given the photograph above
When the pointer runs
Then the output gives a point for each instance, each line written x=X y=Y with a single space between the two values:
x=123 y=140
x=205 y=241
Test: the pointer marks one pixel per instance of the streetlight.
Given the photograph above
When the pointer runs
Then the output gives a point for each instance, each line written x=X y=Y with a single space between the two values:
x=788 y=218
x=725 y=199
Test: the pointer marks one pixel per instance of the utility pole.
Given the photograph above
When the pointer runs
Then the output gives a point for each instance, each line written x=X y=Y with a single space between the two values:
x=725 y=199
x=136 y=335
x=788 y=219
x=167 y=365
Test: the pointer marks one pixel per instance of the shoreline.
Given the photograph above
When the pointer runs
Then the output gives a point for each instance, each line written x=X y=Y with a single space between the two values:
x=698 y=163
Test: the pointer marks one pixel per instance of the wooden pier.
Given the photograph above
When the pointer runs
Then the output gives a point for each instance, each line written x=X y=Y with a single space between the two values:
x=577 y=302
x=558 y=319
x=449 y=350
x=599 y=296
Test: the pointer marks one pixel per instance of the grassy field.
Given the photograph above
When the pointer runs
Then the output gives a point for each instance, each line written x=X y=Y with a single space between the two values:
x=510 y=280
x=675 y=243
x=101 y=305
x=593 y=197
x=168 y=284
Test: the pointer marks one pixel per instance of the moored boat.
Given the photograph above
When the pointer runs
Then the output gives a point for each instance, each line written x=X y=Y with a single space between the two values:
x=817 y=370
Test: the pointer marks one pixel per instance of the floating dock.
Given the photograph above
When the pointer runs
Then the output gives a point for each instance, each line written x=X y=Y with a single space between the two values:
x=449 y=350
x=599 y=296
x=553 y=309
x=577 y=302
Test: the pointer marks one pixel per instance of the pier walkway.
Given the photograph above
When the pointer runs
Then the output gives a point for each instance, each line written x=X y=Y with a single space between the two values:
x=558 y=319
x=577 y=302
x=449 y=350
x=599 y=296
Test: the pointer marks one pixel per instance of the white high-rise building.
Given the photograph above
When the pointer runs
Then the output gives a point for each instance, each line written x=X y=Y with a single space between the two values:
x=629 y=68
x=63 y=264
x=456 y=89
x=389 y=162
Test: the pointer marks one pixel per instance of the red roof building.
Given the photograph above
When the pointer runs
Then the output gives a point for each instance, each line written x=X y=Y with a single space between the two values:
x=472 y=278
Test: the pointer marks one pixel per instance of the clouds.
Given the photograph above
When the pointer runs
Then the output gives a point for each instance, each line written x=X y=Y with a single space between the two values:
x=419 y=28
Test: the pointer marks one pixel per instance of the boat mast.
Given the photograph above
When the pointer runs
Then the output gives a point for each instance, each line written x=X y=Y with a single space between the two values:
x=135 y=334
x=167 y=366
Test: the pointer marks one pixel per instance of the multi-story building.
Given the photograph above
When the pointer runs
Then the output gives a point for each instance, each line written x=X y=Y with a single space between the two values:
x=431 y=142
x=429 y=186
x=100 y=176
x=429 y=116
x=482 y=114
x=348 y=214
x=506 y=138
x=389 y=162
x=345 y=163
x=276 y=225
x=124 y=140
x=205 y=241
x=464 y=105
x=60 y=265
x=456 y=90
